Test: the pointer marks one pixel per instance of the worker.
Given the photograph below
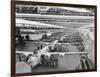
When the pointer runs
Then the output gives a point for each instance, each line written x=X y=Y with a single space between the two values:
x=27 y=37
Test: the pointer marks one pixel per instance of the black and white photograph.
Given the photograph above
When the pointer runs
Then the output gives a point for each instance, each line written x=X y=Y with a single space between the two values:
x=54 y=38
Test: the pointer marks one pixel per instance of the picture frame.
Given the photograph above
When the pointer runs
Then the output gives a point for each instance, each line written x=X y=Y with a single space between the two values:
x=34 y=18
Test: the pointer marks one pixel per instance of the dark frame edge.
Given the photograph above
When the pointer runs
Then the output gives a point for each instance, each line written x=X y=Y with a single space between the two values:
x=12 y=39
x=95 y=37
x=53 y=3
x=56 y=72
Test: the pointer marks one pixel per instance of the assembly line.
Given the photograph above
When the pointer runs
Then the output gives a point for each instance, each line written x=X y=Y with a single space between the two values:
x=47 y=41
